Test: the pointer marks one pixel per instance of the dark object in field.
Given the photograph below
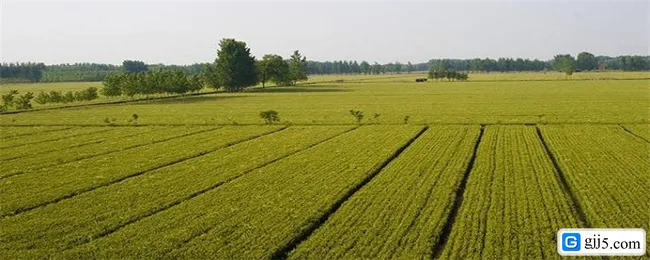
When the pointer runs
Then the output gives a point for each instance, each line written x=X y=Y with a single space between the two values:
x=270 y=116
x=421 y=80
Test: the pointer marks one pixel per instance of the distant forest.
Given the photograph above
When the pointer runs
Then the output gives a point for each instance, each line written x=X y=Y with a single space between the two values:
x=39 y=72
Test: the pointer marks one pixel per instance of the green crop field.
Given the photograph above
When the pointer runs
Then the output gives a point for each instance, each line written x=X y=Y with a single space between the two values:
x=488 y=168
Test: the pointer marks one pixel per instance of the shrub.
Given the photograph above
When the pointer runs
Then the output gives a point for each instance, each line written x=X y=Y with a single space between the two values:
x=69 y=97
x=8 y=99
x=358 y=115
x=270 y=116
x=56 y=96
x=133 y=119
x=42 y=98
x=24 y=101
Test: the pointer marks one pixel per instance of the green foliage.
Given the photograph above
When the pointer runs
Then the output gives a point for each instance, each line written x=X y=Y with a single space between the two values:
x=88 y=94
x=298 y=68
x=273 y=68
x=270 y=116
x=134 y=66
x=409 y=67
x=21 y=72
x=168 y=81
x=235 y=67
x=56 y=96
x=8 y=99
x=110 y=121
x=364 y=67
x=209 y=76
x=112 y=85
x=358 y=115
x=586 y=61
x=42 y=98
x=448 y=74
x=69 y=97
x=564 y=63
x=133 y=119
x=406 y=119
x=24 y=101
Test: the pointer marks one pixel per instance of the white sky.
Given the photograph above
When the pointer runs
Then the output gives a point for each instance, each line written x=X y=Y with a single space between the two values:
x=187 y=32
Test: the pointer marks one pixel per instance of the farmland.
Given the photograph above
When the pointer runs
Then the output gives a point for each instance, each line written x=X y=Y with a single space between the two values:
x=488 y=168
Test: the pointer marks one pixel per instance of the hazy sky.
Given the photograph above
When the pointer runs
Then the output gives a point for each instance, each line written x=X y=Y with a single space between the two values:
x=187 y=32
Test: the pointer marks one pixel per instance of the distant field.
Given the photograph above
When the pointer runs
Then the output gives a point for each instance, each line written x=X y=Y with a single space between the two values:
x=393 y=99
x=489 y=168
x=65 y=87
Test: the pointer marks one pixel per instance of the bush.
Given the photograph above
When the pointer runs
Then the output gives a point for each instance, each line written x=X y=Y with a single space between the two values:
x=8 y=99
x=270 y=116
x=24 y=101
x=169 y=81
x=56 y=96
x=358 y=115
x=68 y=97
x=88 y=94
x=42 y=98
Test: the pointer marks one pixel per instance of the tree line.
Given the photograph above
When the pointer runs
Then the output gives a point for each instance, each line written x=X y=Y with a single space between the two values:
x=354 y=67
x=77 y=72
x=21 y=72
x=39 y=72
x=586 y=61
x=149 y=82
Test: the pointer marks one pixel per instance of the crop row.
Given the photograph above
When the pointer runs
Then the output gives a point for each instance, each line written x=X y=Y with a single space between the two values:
x=641 y=130
x=96 y=213
x=513 y=203
x=109 y=142
x=71 y=142
x=257 y=214
x=49 y=136
x=47 y=185
x=8 y=132
x=608 y=171
x=400 y=213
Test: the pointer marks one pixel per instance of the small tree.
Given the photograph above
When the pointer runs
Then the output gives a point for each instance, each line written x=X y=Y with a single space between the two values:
x=564 y=63
x=69 y=97
x=8 y=99
x=111 y=84
x=272 y=67
x=270 y=116
x=56 y=96
x=24 y=101
x=358 y=115
x=42 y=98
x=298 y=68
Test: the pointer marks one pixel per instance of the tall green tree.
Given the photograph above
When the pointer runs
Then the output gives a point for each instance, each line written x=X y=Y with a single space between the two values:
x=209 y=76
x=134 y=66
x=564 y=63
x=235 y=67
x=273 y=68
x=298 y=67
x=586 y=61
x=364 y=67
